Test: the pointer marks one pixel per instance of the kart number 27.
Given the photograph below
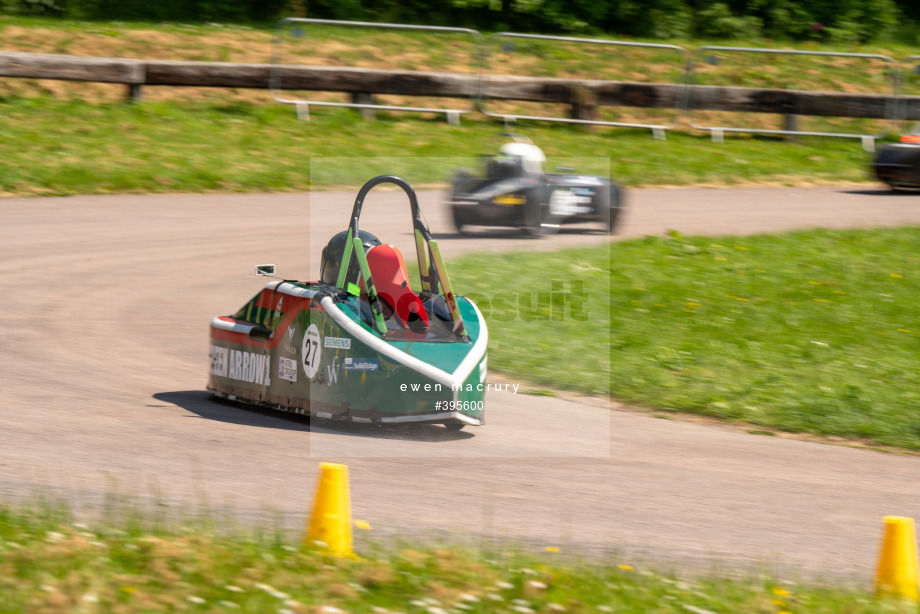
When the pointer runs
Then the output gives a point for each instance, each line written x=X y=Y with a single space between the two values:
x=310 y=351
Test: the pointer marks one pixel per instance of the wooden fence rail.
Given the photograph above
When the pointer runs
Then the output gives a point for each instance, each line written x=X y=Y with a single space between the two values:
x=583 y=95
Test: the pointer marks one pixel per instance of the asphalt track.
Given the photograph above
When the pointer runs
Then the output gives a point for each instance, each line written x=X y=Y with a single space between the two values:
x=105 y=307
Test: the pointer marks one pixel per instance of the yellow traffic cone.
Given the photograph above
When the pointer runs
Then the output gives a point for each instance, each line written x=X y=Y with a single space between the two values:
x=330 y=524
x=897 y=562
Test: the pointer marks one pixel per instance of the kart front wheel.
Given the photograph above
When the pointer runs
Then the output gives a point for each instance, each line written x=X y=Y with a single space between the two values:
x=454 y=426
x=460 y=184
x=460 y=220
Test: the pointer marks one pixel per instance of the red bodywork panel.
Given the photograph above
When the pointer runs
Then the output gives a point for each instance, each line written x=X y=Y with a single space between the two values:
x=289 y=305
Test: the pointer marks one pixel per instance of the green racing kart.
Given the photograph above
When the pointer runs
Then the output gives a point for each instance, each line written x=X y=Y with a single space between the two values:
x=359 y=344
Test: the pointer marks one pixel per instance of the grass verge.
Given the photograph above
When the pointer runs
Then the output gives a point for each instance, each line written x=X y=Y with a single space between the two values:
x=814 y=331
x=50 y=146
x=53 y=565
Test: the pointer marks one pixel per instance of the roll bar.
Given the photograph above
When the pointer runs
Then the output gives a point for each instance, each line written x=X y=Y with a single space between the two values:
x=431 y=269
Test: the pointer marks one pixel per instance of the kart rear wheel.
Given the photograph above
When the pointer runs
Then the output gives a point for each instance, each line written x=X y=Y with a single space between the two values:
x=538 y=220
x=611 y=214
x=454 y=426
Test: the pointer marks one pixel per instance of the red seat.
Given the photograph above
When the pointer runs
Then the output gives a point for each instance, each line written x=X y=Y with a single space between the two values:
x=388 y=270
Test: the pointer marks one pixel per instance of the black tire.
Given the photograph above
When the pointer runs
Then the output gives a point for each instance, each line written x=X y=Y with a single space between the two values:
x=460 y=221
x=537 y=220
x=460 y=184
x=454 y=426
x=610 y=216
x=898 y=165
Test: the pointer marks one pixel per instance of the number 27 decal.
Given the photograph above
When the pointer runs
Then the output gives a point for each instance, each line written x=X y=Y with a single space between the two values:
x=310 y=351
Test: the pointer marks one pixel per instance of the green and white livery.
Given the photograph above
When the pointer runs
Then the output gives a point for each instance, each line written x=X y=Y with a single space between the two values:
x=359 y=344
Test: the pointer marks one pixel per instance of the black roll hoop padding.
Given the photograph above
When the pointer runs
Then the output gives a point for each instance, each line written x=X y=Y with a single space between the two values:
x=417 y=223
x=413 y=203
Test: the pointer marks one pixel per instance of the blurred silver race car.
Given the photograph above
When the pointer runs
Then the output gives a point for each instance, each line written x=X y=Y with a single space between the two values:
x=514 y=190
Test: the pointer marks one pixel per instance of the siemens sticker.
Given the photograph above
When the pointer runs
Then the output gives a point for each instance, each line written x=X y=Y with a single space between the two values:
x=243 y=366
x=362 y=364
x=340 y=343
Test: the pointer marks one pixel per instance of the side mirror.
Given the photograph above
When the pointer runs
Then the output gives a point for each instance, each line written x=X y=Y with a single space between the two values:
x=265 y=269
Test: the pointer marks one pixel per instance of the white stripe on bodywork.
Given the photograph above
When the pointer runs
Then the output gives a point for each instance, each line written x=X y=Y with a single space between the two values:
x=454 y=380
x=285 y=287
x=235 y=327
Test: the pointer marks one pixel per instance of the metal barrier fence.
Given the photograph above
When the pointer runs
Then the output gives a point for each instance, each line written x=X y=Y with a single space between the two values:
x=487 y=89
x=276 y=84
x=487 y=82
x=717 y=132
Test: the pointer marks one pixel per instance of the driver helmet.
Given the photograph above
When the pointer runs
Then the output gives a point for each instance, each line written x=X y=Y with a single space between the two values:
x=333 y=253
x=531 y=156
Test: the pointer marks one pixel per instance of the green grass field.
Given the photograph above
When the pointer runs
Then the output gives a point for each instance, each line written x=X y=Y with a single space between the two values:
x=53 y=146
x=813 y=331
x=51 y=565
